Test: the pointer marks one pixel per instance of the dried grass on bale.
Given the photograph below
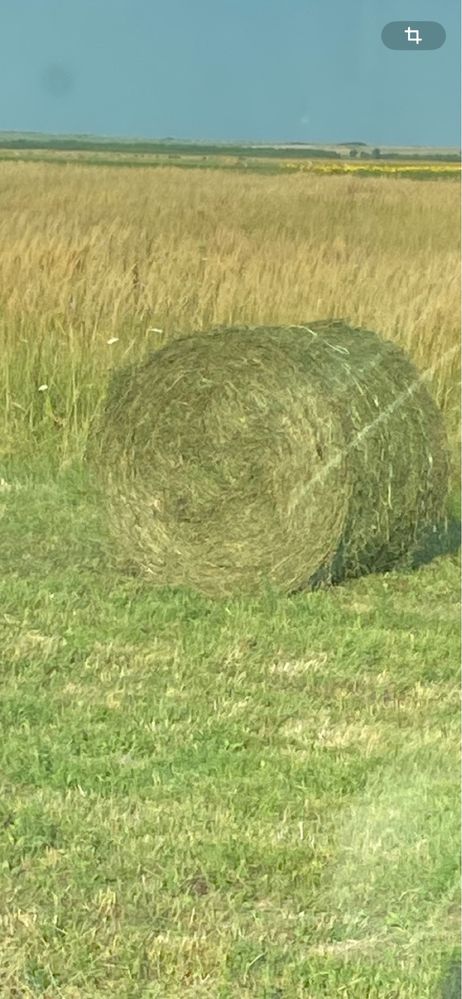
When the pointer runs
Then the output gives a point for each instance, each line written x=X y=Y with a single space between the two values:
x=290 y=456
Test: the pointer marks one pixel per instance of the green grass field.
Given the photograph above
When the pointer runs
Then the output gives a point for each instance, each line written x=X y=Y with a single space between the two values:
x=215 y=799
x=254 y=798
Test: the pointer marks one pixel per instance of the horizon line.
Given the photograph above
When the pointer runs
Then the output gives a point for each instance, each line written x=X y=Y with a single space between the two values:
x=215 y=141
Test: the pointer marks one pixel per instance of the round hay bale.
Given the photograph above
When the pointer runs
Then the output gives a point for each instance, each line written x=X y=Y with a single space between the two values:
x=290 y=457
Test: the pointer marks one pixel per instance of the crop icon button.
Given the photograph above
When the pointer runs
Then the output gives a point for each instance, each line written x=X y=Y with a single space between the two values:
x=414 y=36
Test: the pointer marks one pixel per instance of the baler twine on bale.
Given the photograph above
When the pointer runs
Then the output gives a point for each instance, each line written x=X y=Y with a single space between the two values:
x=291 y=456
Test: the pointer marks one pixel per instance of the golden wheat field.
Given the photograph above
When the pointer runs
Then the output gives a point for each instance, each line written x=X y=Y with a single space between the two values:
x=97 y=264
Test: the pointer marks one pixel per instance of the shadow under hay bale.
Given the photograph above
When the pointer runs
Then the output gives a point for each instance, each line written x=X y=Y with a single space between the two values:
x=291 y=457
x=440 y=540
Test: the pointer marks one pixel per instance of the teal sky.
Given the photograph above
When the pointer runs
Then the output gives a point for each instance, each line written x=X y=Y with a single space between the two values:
x=276 y=70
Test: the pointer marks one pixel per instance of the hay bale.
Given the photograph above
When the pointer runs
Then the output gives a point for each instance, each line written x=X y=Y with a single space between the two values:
x=292 y=456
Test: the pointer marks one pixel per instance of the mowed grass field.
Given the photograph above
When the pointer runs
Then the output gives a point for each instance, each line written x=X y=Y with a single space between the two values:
x=206 y=798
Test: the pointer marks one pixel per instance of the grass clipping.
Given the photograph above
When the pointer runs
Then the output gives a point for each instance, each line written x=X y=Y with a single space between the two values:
x=259 y=456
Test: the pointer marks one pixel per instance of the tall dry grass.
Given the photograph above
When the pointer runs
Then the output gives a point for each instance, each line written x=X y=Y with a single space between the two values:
x=95 y=254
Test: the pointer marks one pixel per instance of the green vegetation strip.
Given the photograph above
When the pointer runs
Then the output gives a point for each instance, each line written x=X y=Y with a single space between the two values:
x=218 y=799
x=266 y=166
